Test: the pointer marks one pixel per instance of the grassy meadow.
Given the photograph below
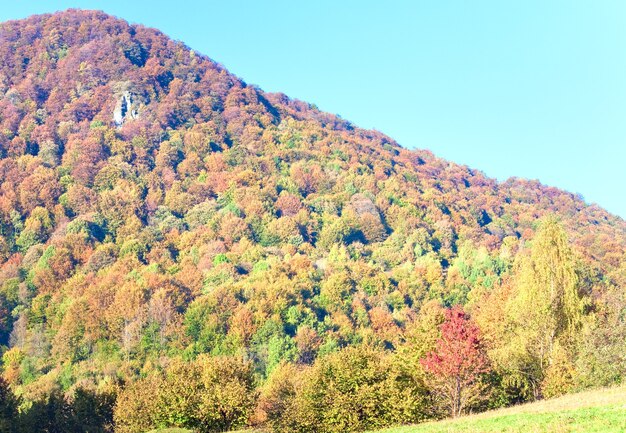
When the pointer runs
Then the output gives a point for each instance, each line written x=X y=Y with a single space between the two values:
x=595 y=411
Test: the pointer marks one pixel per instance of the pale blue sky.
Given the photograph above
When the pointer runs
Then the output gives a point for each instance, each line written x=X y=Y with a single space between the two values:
x=532 y=88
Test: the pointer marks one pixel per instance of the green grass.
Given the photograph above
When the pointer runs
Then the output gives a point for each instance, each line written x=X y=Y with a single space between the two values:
x=588 y=412
x=182 y=430
x=171 y=430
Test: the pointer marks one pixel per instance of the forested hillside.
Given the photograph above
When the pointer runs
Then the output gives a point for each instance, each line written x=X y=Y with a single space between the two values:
x=181 y=249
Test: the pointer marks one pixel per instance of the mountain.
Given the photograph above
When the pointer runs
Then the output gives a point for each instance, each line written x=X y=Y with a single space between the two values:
x=154 y=207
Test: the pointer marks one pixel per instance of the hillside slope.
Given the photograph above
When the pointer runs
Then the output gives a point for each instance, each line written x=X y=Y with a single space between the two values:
x=155 y=207
x=592 y=411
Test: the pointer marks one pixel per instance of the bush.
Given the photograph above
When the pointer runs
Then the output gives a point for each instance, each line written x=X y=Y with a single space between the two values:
x=208 y=395
x=355 y=389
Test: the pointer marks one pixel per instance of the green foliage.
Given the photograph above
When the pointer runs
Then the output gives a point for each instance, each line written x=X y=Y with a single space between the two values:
x=206 y=334
x=220 y=258
x=36 y=228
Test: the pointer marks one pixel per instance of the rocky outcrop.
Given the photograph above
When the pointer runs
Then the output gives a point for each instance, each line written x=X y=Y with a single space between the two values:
x=125 y=108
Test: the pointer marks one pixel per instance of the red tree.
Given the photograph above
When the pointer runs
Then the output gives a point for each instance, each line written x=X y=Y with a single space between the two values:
x=456 y=366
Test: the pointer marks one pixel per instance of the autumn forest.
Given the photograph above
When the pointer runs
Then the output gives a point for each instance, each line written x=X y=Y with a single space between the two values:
x=181 y=249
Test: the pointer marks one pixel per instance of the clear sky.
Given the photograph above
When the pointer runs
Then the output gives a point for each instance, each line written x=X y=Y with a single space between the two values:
x=529 y=88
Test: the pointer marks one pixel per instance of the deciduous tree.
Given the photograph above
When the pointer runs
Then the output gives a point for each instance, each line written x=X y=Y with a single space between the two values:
x=457 y=364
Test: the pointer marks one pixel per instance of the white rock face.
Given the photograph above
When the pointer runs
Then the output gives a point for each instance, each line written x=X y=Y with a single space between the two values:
x=124 y=109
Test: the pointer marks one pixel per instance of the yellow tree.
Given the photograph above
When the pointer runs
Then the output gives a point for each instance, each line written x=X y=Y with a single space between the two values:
x=543 y=312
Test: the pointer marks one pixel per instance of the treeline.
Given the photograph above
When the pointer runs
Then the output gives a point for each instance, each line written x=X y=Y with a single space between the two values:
x=83 y=411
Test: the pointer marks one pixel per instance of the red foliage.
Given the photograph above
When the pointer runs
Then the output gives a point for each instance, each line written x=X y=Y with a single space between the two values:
x=458 y=361
x=288 y=204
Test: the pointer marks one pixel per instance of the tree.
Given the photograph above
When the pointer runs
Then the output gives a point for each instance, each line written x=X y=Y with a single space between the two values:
x=277 y=395
x=544 y=311
x=457 y=364
x=8 y=407
x=601 y=359
x=356 y=389
x=208 y=395
x=227 y=395
x=36 y=228
x=86 y=411
x=137 y=404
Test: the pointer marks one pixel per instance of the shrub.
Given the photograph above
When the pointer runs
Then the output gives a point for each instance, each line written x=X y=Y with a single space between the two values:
x=208 y=395
x=355 y=389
